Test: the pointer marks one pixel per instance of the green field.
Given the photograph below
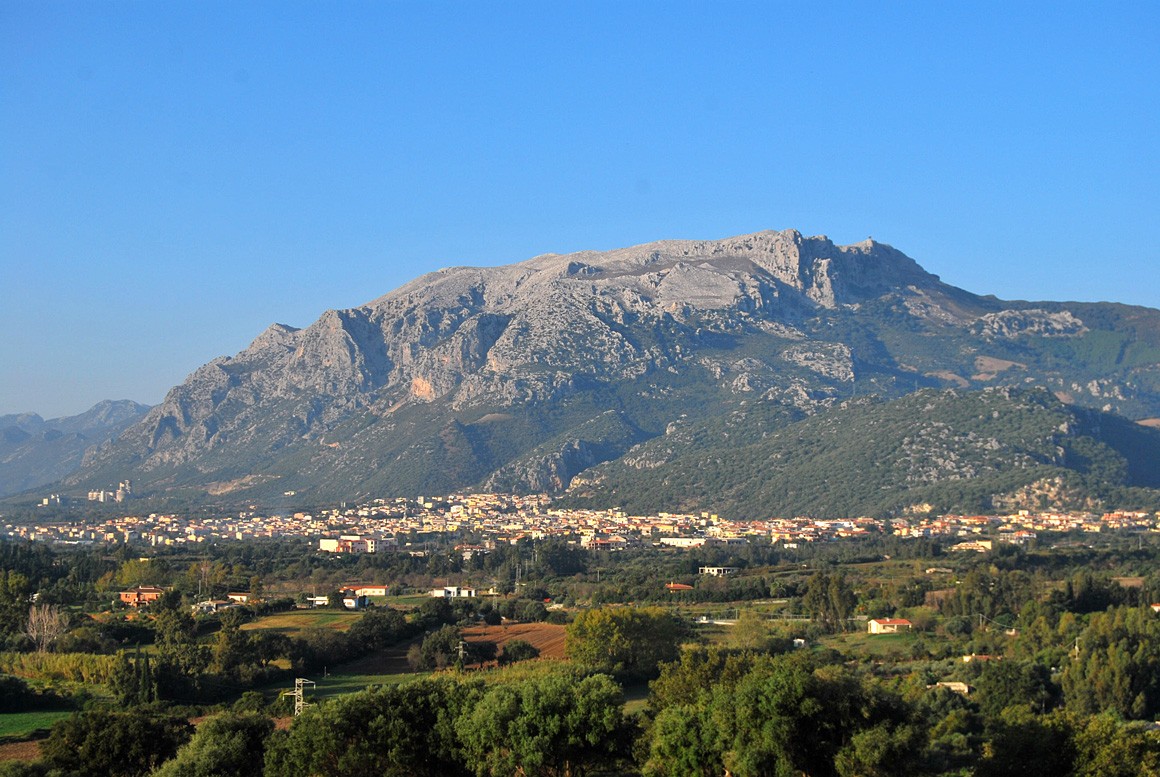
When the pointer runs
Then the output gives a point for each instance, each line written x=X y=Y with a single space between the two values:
x=294 y=622
x=873 y=646
x=17 y=725
x=404 y=602
x=339 y=683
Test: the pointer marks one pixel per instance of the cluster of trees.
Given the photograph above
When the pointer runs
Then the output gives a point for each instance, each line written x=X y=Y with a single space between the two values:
x=136 y=743
x=557 y=724
x=717 y=711
x=710 y=712
x=830 y=600
x=627 y=642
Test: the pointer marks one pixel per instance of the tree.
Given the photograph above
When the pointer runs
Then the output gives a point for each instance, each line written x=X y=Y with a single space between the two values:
x=1106 y=747
x=628 y=642
x=780 y=717
x=45 y=623
x=751 y=632
x=518 y=650
x=1117 y=666
x=1004 y=683
x=439 y=649
x=697 y=672
x=552 y=726
x=397 y=731
x=106 y=744
x=232 y=649
x=174 y=627
x=379 y=628
x=1022 y=742
x=226 y=745
x=15 y=592
x=830 y=600
x=683 y=742
x=133 y=681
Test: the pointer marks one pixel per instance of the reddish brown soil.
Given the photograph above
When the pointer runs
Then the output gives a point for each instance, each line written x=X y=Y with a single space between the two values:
x=20 y=751
x=548 y=637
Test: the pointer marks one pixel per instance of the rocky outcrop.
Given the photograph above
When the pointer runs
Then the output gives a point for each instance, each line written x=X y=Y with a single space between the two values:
x=355 y=400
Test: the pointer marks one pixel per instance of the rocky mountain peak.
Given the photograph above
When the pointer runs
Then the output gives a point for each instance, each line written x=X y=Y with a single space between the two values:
x=510 y=372
x=275 y=336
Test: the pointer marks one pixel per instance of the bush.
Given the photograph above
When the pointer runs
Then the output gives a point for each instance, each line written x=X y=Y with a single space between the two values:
x=518 y=650
x=106 y=744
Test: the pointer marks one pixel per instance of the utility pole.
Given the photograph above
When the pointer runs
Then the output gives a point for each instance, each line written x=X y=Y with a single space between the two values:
x=300 y=703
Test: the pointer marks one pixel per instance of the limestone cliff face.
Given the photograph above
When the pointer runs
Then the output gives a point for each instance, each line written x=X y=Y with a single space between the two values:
x=385 y=395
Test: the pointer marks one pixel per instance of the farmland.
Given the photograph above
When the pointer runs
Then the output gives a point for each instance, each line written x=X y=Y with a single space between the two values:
x=548 y=638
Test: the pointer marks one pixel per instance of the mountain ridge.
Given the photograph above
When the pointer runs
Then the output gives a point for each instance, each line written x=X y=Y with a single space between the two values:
x=392 y=394
x=36 y=452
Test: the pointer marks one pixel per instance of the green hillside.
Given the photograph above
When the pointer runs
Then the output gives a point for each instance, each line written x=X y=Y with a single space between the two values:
x=951 y=450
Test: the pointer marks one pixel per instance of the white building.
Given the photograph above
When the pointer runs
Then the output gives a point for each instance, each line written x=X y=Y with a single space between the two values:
x=453 y=592
x=888 y=625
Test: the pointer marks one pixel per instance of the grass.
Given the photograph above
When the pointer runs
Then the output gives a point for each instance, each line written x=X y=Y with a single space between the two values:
x=873 y=645
x=635 y=698
x=294 y=622
x=409 y=600
x=18 y=725
x=339 y=683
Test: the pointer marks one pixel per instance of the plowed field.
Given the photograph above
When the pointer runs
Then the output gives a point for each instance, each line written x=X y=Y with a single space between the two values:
x=20 y=751
x=548 y=637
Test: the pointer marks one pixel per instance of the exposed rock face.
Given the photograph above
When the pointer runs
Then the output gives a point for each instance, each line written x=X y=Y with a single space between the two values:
x=391 y=396
x=1043 y=323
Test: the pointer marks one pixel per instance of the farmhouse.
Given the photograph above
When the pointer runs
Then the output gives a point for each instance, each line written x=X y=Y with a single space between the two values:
x=141 y=595
x=354 y=601
x=366 y=590
x=210 y=606
x=453 y=592
x=888 y=625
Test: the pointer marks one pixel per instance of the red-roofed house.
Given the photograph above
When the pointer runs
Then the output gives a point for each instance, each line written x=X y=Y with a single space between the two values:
x=888 y=625
x=141 y=595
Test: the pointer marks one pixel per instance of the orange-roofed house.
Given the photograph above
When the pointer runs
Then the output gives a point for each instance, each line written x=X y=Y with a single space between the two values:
x=888 y=625
x=141 y=595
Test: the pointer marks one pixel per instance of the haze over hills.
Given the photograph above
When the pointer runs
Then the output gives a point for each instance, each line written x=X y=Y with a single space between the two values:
x=520 y=377
x=35 y=452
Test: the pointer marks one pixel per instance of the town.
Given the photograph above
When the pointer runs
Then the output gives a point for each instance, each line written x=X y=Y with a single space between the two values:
x=491 y=519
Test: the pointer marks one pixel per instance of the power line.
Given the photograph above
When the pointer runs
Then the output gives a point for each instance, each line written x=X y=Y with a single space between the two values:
x=300 y=703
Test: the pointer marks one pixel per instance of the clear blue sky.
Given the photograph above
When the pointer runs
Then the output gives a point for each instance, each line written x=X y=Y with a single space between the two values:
x=175 y=176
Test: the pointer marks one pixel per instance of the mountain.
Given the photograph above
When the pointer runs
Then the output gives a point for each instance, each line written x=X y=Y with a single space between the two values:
x=944 y=450
x=35 y=452
x=522 y=376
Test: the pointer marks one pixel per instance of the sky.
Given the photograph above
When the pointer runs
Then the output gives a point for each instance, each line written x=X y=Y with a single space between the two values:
x=174 y=177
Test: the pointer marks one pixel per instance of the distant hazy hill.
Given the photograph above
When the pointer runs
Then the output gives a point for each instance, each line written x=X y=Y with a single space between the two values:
x=522 y=376
x=947 y=450
x=35 y=452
